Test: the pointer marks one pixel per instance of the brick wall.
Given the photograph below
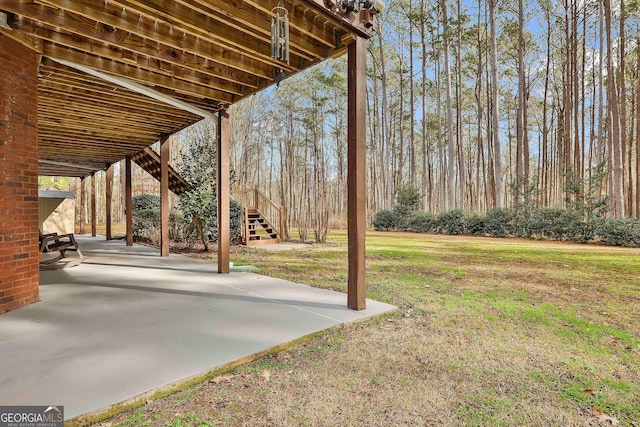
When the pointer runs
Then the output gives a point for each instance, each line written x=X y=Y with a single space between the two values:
x=19 y=255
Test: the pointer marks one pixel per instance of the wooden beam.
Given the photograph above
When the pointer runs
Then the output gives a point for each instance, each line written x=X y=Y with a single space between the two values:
x=223 y=190
x=138 y=88
x=303 y=22
x=128 y=200
x=359 y=23
x=164 y=195
x=144 y=54
x=30 y=42
x=238 y=26
x=107 y=202
x=356 y=173
x=67 y=164
x=206 y=45
x=83 y=205
x=189 y=21
x=93 y=205
x=134 y=73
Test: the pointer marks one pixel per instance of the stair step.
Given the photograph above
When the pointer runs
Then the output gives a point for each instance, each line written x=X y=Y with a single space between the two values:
x=262 y=242
x=259 y=230
x=263 y=237
x=263 y=224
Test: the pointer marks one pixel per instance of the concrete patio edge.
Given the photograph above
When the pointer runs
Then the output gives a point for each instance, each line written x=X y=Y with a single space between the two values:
x=102 y=414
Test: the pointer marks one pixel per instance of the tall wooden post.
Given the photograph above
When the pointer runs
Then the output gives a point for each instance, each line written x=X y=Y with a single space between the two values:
x=223 y=190
x=93 y=205
x=164 y=195
x=255 y=197
x=356 y=184
x=83 y=205
x=107 y=201
x=128 y=201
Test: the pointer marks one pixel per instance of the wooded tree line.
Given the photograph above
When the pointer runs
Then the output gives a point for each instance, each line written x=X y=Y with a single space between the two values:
x=479 y=105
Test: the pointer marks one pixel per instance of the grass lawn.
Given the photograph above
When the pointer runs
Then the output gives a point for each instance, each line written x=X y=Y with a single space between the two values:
x=490 y=332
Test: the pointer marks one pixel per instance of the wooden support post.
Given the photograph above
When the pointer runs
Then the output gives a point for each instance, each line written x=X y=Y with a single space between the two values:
x=223 y=190
x=164 y=195
x=83 y=205
x=255 y=197
x=93 y=205
x=281 y=234
x=356 y=184
x=128 y=201
x=107 y=202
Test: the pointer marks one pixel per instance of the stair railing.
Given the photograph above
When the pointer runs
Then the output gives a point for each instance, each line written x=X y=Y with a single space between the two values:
x=256 y=199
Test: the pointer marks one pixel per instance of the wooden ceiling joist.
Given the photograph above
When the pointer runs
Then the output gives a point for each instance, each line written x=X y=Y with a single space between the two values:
x=140 y=89
x=116 y=75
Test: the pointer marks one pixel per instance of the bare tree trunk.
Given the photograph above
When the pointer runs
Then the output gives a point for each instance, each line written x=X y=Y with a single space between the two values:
x=399 y=143
x=481 y=165
x=575 y=84
x=386 y=131
x=614 y=121
x=451 y=199
x=638 y=128
x=412 y=150
x=600 y=152
x=521 y=140
x=545 y=130
x=626 y=156
x=497 y=160
x=427 y=184
x=442 y=164
x=462 y=174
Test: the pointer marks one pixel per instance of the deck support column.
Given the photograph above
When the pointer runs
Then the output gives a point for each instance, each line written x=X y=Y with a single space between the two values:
x=93 y=205
x=356 y=173
x=83 y=205
x=19 y=254
x=107 y=201
x=128 y=201
x=164 y=195
x=223 y=189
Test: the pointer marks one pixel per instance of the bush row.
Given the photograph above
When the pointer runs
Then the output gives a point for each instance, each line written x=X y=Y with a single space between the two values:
x=543 y=223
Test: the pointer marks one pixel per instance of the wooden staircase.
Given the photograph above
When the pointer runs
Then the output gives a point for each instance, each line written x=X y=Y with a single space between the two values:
x=149 y=160
x=258 y=231
x=263 y=219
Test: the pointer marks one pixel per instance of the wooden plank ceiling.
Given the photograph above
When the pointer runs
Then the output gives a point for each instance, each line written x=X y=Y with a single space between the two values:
x=207 y=53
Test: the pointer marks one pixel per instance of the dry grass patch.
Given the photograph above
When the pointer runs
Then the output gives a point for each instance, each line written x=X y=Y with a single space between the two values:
x=490 y=332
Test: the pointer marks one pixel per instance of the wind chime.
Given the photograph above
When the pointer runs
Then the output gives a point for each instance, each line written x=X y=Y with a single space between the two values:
x=280 y=33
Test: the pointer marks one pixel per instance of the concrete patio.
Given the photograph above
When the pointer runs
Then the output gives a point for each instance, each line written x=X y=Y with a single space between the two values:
x=127 y=321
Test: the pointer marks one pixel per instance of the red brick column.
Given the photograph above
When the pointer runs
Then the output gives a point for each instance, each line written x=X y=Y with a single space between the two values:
x=19 y=254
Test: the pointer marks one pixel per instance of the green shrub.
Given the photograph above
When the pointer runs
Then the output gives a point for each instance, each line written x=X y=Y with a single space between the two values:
x=177 y=225
x=384 y=220
x=619 y=231
x=557 y=224
x=236 y=213
x=541 y=222
x=568 y=226
x=408 y=197
x=476 y=225
x=146 y=226
x=145 y=202
x=401 y=215
x=421 y=222
x=500 y=222
x=451 y=222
